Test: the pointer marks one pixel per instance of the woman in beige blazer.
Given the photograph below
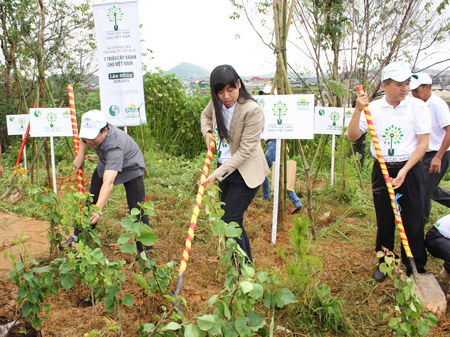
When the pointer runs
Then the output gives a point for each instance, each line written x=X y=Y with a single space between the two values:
x=235 y=121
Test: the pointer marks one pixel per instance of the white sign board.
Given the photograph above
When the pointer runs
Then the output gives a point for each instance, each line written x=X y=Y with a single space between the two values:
x=328 y=120
x=287 y=116
x=50 y=122
x=120 y=62
x=17 y=124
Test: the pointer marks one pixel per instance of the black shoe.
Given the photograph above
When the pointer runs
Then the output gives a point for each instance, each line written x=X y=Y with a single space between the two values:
x=296 y=209
x=67 y=244
x=378 y=275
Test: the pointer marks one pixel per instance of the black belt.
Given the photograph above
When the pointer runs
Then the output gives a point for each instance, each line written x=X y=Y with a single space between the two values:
x=396 y=165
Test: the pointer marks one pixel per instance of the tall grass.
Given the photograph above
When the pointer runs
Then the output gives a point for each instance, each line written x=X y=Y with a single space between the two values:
x=319 y=313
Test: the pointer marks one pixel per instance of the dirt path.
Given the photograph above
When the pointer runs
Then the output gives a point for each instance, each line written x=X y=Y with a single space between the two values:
x=12 y=227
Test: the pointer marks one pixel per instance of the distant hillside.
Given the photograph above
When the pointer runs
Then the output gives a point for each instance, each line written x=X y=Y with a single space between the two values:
x=187 y=70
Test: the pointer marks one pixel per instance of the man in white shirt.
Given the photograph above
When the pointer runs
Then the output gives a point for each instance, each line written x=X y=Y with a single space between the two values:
x=403 y=126
x=437 y=241
x=437 y=159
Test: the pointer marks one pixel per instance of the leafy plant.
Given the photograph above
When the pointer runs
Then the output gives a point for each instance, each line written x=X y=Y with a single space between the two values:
x=136 y=231
x=172 y=116
x=64 y=214
x=409 y=317
x=151 y=278
x=236 y=310
x=34 y=284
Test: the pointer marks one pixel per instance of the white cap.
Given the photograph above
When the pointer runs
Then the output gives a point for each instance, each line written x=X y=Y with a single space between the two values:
x=398 y=71
x=91 y=124
x=267 y=89
x=422 y=78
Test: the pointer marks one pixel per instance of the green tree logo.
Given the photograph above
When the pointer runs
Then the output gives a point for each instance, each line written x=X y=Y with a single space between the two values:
x=393 y=135
x=334 y=116
x=21 y=122
x=115 y=15
x=223 y=143
x=51 y=117
x=280 y=110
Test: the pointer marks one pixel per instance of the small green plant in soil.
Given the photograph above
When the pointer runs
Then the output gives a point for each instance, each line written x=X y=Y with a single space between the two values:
x=409 y=317
x=34 y=284
x=245 y=307
x=111 y=327
x=136 y=231
x=151 y=278
x=65 y=214
x=319 y=312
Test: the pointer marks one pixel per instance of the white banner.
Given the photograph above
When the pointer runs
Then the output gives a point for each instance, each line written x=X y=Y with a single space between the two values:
x=50 y=122
x=287 y=116
x=120 y=62
x=17 y=124
x=328 y=120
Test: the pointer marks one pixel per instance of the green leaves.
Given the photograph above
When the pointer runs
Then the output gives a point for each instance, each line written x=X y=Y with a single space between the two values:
x=67 y=281
x=128 y=300
x=142 y=281
x=206 y=322
x=409 y=318
x=148 y=239
x=193 y=331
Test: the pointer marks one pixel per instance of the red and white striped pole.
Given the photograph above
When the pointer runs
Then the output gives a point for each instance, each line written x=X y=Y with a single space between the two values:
x=193 y=223
x=76 y=141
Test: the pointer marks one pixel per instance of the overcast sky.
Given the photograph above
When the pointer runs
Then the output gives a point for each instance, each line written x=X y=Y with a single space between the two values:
x=200 y=32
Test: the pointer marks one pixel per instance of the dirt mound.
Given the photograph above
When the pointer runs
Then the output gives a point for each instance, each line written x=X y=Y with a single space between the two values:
x=12 y=227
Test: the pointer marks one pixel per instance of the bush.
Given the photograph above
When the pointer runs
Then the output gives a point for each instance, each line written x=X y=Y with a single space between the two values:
x=173 y=117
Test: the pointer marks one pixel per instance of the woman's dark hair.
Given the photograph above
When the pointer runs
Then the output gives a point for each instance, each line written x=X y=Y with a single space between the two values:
x=220 y=77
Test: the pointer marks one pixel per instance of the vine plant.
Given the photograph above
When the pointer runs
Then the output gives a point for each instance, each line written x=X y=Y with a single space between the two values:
x=237 y=310
x=409 y=317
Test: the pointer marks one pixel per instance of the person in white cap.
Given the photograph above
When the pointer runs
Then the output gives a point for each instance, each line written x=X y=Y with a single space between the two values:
x=403 y=126
x=437 y=159
x=437 y=241
x=120 y=161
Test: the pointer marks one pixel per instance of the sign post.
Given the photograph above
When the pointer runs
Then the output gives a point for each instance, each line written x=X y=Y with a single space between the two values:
x=285 y=117
x=329 y=121
x=51 y=122
x=18 y=125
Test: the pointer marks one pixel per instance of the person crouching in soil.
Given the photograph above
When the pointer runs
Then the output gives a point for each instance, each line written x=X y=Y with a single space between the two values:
x=120 y=161
x=235 y=121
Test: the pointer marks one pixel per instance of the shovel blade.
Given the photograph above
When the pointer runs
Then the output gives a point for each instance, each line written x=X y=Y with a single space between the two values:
x=430 y=293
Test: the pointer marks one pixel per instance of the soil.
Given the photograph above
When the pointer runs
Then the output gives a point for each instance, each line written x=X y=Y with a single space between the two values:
x=70 y=316
x=11 y=229
x=345 y=264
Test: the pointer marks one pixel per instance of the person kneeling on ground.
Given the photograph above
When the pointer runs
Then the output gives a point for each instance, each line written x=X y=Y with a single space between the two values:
x=120 y=161
x=437 y=241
